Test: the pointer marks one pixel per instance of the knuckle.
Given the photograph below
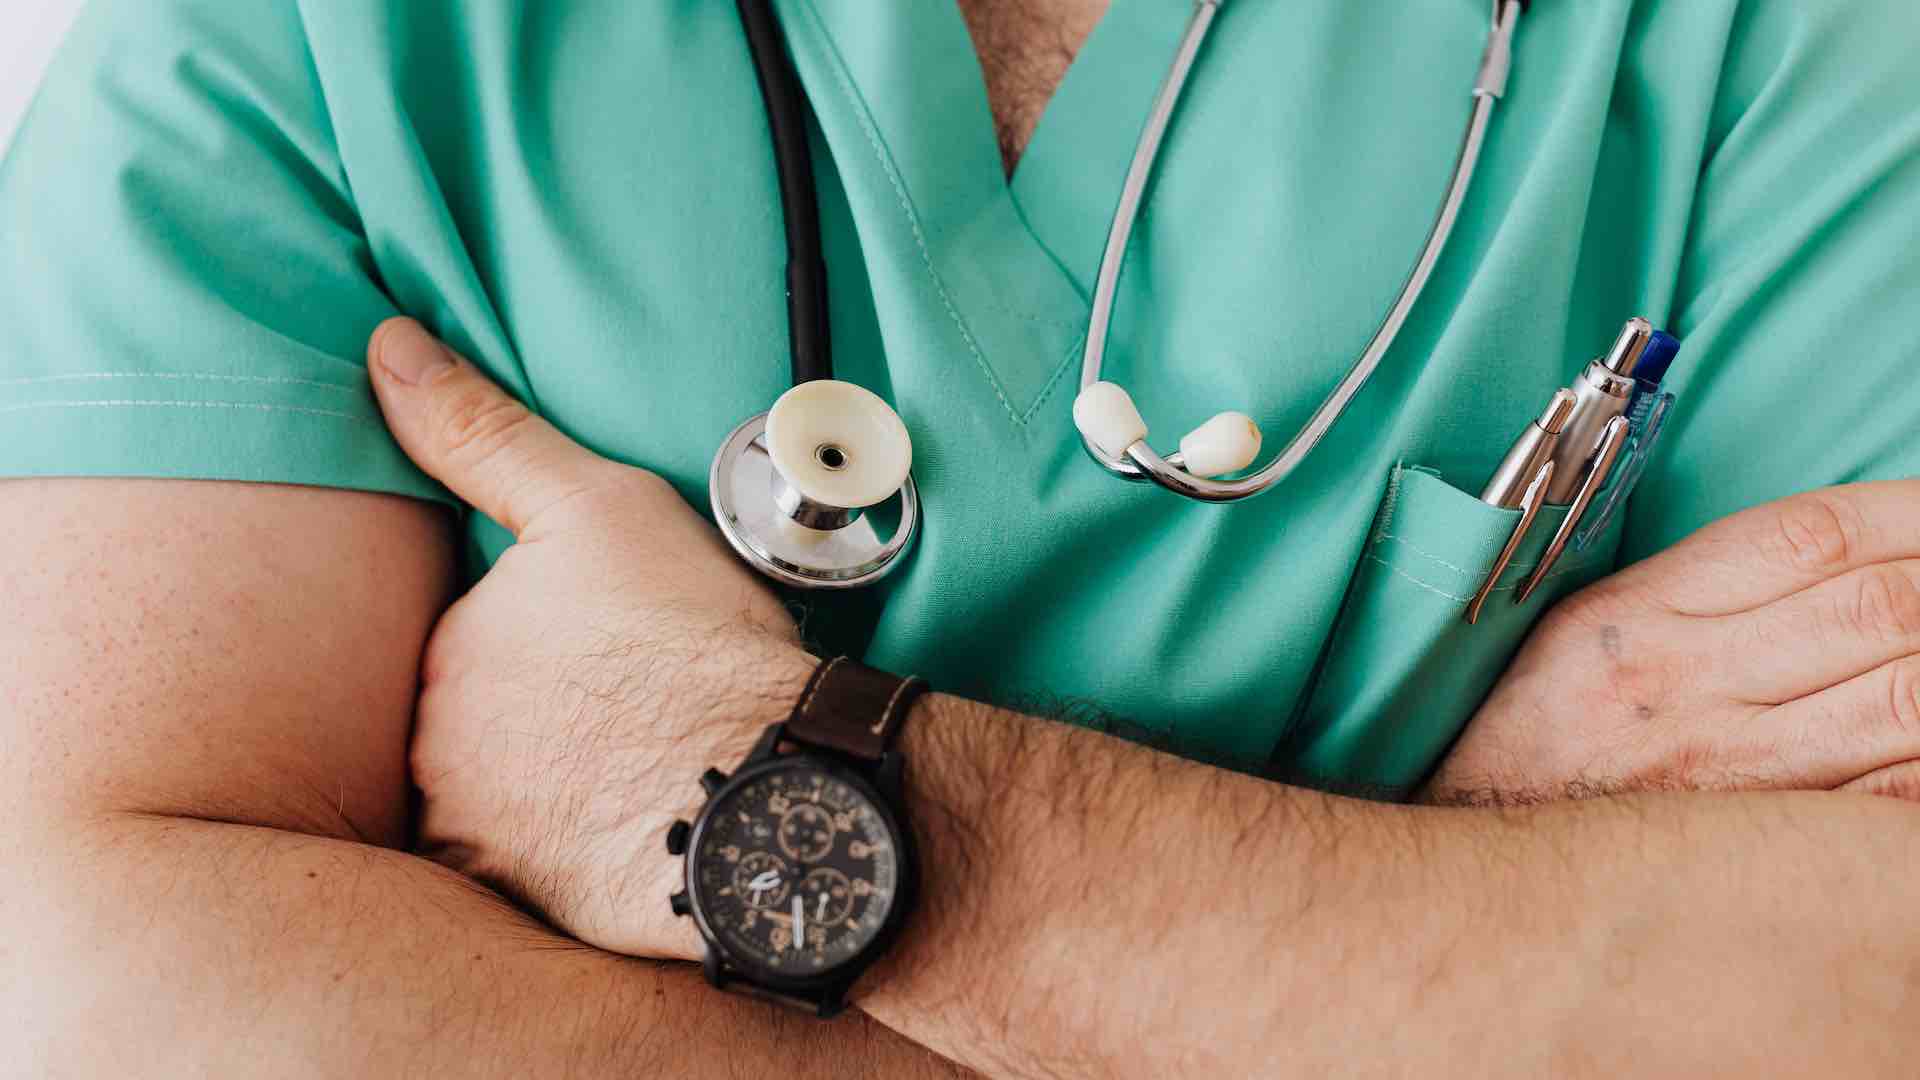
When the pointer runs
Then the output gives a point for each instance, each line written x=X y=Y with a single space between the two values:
x=1897 y=782
x=1903 y=696
x=639 y=484
x=1883 y=604
x=479 y=423
x=1816 y=532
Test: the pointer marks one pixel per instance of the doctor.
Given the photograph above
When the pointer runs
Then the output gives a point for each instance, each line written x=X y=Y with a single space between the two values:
x=242 y=195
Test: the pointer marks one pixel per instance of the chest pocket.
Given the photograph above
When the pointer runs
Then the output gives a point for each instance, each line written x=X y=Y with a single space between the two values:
x=1404 y=671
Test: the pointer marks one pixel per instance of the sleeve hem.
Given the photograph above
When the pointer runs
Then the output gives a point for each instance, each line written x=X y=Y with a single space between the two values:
x=257 y=441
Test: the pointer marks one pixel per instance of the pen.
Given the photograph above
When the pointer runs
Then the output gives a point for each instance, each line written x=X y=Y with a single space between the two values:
x=1613 y=439
x=1606 y=422
x=1644 y=355
x=1601 y=392
x=1520 y=483
x=1535 y=446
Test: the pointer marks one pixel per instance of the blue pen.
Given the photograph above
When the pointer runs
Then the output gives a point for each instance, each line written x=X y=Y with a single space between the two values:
x=1618 y=413
x=1647 y=416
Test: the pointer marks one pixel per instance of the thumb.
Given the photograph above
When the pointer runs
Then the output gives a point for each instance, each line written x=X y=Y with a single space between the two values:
x=470 y=435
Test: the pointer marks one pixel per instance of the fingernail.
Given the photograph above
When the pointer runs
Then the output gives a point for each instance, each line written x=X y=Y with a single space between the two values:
x=411 y=355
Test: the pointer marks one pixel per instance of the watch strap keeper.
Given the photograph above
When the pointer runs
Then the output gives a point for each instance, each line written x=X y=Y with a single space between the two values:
x=853 y=709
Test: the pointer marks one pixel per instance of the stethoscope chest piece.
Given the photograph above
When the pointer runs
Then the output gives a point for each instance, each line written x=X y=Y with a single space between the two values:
x=803 y=491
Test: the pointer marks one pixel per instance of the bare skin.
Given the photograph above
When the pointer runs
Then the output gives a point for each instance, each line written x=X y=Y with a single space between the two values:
x=204 y=711
x=1025 y=48
x=1776 y=649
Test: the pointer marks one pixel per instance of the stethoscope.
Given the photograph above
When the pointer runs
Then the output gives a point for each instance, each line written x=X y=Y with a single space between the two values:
x=803 y=490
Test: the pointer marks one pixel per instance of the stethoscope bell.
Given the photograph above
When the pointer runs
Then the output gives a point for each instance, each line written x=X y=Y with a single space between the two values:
x=798 y=490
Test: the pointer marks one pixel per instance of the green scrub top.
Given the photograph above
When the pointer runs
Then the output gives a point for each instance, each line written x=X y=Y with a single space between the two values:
x=213 y=203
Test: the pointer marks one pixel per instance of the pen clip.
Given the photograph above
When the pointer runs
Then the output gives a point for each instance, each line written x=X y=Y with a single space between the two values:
x=1649 y=416
x=1530 y=504
x=1604 y=457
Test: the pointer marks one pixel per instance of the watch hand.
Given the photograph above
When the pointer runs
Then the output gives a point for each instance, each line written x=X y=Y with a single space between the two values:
x=799 y=923
x=821 y=914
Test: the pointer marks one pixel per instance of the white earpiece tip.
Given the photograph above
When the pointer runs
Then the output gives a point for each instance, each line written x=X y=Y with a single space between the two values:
x=838 y=444
x=1105 y=415
x=1222 y=446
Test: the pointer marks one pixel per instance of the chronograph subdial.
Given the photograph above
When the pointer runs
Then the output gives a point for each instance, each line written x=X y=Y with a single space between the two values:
x=827 y=896
x=761 y=880
x=807 y=832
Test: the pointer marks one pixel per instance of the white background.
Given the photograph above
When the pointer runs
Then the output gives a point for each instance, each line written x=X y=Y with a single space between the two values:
x=29 y=31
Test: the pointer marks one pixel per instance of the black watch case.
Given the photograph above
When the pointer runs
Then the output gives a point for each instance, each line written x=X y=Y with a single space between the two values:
x=880 y=785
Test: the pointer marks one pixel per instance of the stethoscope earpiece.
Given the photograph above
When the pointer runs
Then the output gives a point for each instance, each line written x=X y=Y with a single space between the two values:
x=792 y=487
x=1111 y=424
x=1222 y=446
x=1108 y=419
x=1229 y=443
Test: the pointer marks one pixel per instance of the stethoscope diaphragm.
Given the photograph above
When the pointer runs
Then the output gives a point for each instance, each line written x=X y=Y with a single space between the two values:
x=817 y=491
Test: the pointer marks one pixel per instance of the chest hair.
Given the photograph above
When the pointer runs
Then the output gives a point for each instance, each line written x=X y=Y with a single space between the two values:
x=1025 y=47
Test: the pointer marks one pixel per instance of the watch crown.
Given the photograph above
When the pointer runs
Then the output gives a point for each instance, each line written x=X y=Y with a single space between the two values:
x=677 y=838
x=680 y=906
x=713 y=780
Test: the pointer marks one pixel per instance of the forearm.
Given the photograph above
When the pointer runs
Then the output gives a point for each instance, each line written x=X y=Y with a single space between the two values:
x=161 y=946
x=1097 y=909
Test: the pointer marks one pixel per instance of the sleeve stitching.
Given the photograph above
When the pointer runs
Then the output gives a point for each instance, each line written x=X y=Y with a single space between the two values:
x=246 y=405
x=177 y=376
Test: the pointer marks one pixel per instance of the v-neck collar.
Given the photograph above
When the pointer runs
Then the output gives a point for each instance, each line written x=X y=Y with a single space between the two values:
x=1069 y=177
x=900 y=96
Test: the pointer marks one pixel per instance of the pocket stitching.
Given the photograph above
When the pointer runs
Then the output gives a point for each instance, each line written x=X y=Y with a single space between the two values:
x=1409 y=545
x=1575 y=567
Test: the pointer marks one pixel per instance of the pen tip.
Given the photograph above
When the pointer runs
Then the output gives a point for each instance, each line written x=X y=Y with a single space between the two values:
x=1627 y=350
x=1657 y=358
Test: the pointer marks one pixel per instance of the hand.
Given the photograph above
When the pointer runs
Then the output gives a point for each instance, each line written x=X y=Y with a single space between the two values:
x=1779 y=648
x=570 y=701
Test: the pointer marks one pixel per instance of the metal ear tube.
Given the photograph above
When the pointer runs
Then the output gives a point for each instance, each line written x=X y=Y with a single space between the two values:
x=1217 y=462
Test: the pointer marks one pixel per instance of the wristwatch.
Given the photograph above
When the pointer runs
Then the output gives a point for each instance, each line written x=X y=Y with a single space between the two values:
x=800 y=868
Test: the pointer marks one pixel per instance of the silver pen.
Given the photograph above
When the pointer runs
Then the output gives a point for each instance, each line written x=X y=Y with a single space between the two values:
x=1520 y=483
x=1536 y=445
x=1601 y=392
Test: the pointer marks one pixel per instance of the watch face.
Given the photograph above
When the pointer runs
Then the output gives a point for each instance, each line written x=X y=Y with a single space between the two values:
x=795 y=870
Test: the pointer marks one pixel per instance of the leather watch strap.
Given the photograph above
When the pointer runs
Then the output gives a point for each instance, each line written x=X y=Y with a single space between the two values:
x=853 y=709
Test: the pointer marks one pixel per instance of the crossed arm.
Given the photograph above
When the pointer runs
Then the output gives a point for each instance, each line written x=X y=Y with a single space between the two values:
x=203 y=788
x=205 y=784
x=204 y=710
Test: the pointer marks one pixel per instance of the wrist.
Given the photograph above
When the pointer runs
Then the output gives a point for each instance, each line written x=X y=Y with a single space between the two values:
x=799 y=868
x=953 y=771
x=708 y=711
